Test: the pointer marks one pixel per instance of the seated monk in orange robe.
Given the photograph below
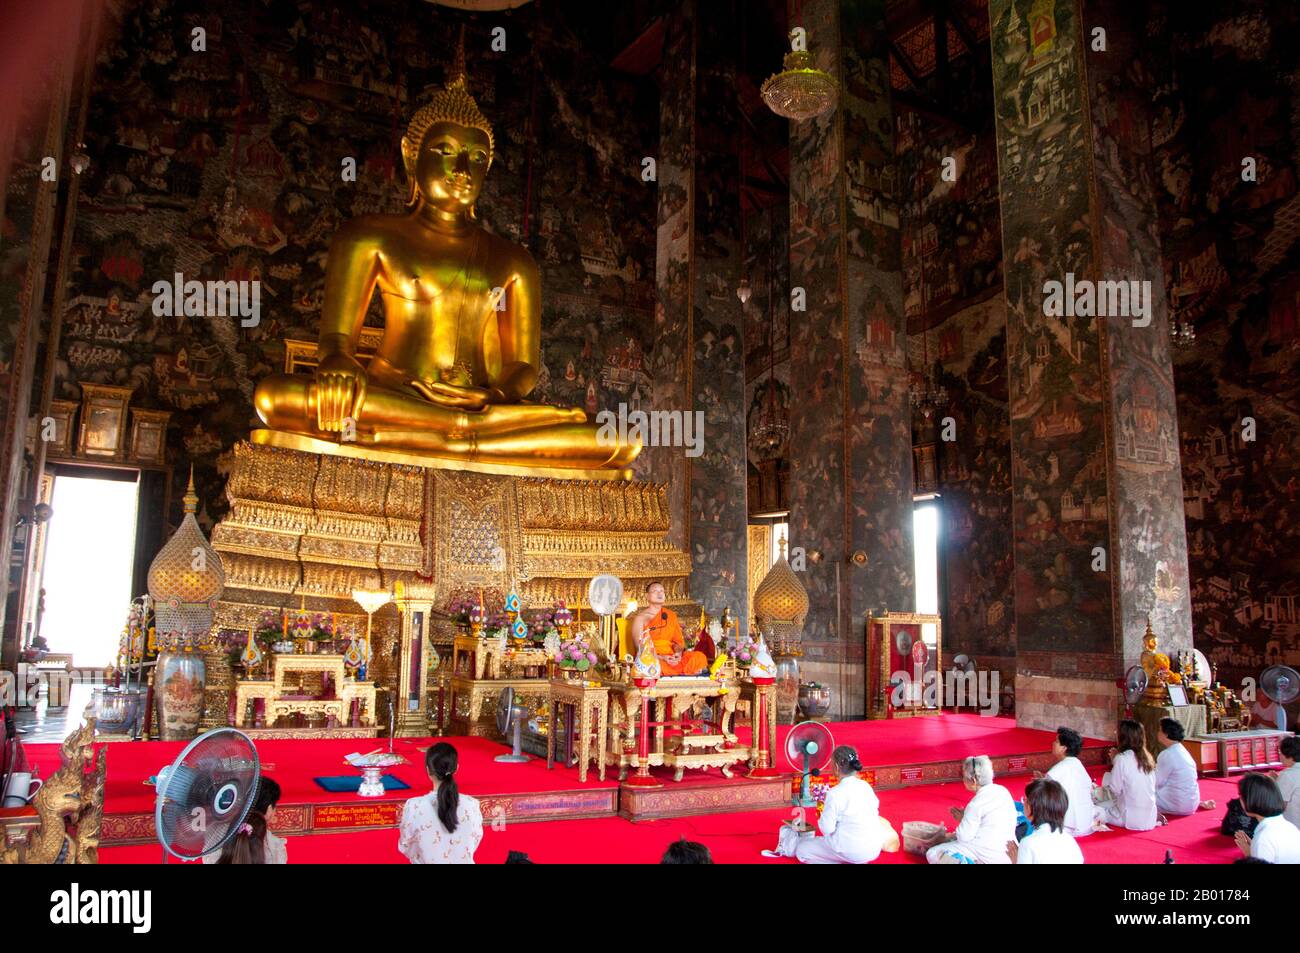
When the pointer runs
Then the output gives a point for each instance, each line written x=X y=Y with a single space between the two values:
x=661 y=625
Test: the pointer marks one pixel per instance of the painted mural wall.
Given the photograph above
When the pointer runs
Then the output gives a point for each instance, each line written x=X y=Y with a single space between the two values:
x=227 y=164
x=1226 y=91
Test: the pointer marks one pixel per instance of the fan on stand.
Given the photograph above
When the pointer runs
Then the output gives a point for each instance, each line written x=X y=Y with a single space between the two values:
x=206 y=793
x=964 y=688
x=510 y=717
x=808 y=749
x=1280 y=685
x=1135 y=686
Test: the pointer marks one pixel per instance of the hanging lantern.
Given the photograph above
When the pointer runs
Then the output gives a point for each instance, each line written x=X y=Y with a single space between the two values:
x=186 y=578
x=800 y=91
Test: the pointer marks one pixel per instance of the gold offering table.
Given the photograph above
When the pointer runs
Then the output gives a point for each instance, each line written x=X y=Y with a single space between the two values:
x=284 y=695
x=485 y=658
x=676 y=701
x=587 y=704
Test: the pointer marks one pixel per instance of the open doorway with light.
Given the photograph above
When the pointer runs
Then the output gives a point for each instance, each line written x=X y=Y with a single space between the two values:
x=88 y=563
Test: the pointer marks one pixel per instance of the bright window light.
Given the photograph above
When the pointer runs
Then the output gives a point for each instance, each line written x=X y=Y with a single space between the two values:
x=925 y=523
x=88 y=560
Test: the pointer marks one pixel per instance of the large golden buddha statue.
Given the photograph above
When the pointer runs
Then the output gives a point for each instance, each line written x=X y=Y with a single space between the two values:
x=461 y=347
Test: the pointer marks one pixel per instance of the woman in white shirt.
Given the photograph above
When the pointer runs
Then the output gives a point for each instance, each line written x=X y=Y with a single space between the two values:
x=850 y=825
x=444 y=826
x=1177 y=790
x=1071 y=775
x=1045 y=805
x=1276 y=839
x=986 y=824
x=1131 y=782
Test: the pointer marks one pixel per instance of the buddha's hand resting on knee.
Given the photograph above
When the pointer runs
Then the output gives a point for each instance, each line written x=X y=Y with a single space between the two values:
x=340 y=392
x=463 y=397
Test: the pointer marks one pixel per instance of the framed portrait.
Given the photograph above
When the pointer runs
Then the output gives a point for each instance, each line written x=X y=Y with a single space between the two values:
x=103 y=421
x=1177 y=695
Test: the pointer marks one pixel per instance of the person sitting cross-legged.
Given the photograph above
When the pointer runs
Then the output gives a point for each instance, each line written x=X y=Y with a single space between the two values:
x=661 y=625
x=1177 y=790
x=984 y=826
x=1045 y=806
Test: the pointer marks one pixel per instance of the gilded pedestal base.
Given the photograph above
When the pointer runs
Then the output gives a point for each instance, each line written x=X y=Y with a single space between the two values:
x=306 y=528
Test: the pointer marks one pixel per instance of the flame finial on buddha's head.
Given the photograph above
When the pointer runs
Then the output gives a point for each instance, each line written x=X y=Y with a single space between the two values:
x=453 y=103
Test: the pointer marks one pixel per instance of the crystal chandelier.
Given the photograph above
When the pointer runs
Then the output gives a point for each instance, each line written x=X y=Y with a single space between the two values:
x=1182 y=333
x=800 y=91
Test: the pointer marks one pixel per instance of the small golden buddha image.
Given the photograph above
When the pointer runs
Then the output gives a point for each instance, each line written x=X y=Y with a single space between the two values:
x=461 y=347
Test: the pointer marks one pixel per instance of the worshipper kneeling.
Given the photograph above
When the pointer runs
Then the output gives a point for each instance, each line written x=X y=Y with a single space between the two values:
x=443 y=826
x=1072 y=776
x=1177 y=790
x=853 y=832
x=1276 y=840
x=254 y=842
x=986 y=824
x=1046 y=803
x=1128 y=789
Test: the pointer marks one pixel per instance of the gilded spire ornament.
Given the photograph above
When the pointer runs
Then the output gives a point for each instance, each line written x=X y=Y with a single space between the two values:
x=186 y=578
x=781 y=604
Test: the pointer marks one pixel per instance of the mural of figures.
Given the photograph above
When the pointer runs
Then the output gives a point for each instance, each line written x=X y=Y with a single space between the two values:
x=1223 y=95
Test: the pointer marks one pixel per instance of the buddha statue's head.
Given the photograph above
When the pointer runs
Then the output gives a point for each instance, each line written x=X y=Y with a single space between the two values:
x=447 y=150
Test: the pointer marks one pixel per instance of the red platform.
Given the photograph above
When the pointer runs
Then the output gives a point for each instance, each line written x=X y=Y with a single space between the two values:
x=895 y=753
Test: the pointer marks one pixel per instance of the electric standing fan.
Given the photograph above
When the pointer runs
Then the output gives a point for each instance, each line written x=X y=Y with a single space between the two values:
x=1134 y=685
x=204 y=796
x=808 y=749
x=962 y=687
x=1281 y=685
x=510 y=716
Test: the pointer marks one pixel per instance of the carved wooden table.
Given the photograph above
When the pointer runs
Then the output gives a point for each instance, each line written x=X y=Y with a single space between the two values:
x=480 y=658
x=675 y=700
x=588 y=705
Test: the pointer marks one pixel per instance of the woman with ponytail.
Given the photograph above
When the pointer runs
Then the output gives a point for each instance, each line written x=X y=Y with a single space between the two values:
x=444 y=826
x=254 y=843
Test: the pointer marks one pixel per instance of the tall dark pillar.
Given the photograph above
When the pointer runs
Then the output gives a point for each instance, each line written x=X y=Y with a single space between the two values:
x=1100 y=540
x=850 y=424
x=699 y=353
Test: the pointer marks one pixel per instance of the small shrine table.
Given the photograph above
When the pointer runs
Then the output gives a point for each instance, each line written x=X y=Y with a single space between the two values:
x=674 y=699
x=1191 y=717
x=587 y=704
x=480 y=658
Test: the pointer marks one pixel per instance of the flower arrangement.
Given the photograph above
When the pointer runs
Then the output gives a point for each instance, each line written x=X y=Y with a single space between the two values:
x=460 y=609
x=576 y=653
x=742 y=648
x=543 y=624
x=269 y=628
x=497 y=624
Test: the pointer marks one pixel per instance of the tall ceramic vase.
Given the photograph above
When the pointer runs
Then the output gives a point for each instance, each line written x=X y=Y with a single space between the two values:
x=178 y=693
x=787 y=689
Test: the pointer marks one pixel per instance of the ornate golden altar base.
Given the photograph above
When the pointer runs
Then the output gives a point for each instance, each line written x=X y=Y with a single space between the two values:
x=306 y=528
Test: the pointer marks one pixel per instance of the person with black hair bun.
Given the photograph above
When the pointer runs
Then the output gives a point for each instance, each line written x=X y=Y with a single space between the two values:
x=444 y=826
x=1177 y=790
x=1276 y=839
x=852 y=830
x=1070 y=774
x=683 y=851
x=1129 y=786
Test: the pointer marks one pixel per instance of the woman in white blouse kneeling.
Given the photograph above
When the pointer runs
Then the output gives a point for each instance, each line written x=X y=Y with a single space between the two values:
x=851 y=827
x=444 y=826
x=986 y=824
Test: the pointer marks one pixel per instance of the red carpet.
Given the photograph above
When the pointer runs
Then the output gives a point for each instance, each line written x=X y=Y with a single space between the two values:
x=939 y=738
x=294 y=764
x=738 y=838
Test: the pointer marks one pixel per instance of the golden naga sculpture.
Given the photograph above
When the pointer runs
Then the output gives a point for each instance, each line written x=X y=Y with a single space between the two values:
x=69 y=808
x=461 y=347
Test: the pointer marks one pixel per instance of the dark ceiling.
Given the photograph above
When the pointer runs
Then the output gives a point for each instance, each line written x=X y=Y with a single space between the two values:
x=629 y=36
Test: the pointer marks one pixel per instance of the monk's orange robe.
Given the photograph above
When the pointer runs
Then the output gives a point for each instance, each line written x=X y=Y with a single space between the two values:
x=666 y=631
